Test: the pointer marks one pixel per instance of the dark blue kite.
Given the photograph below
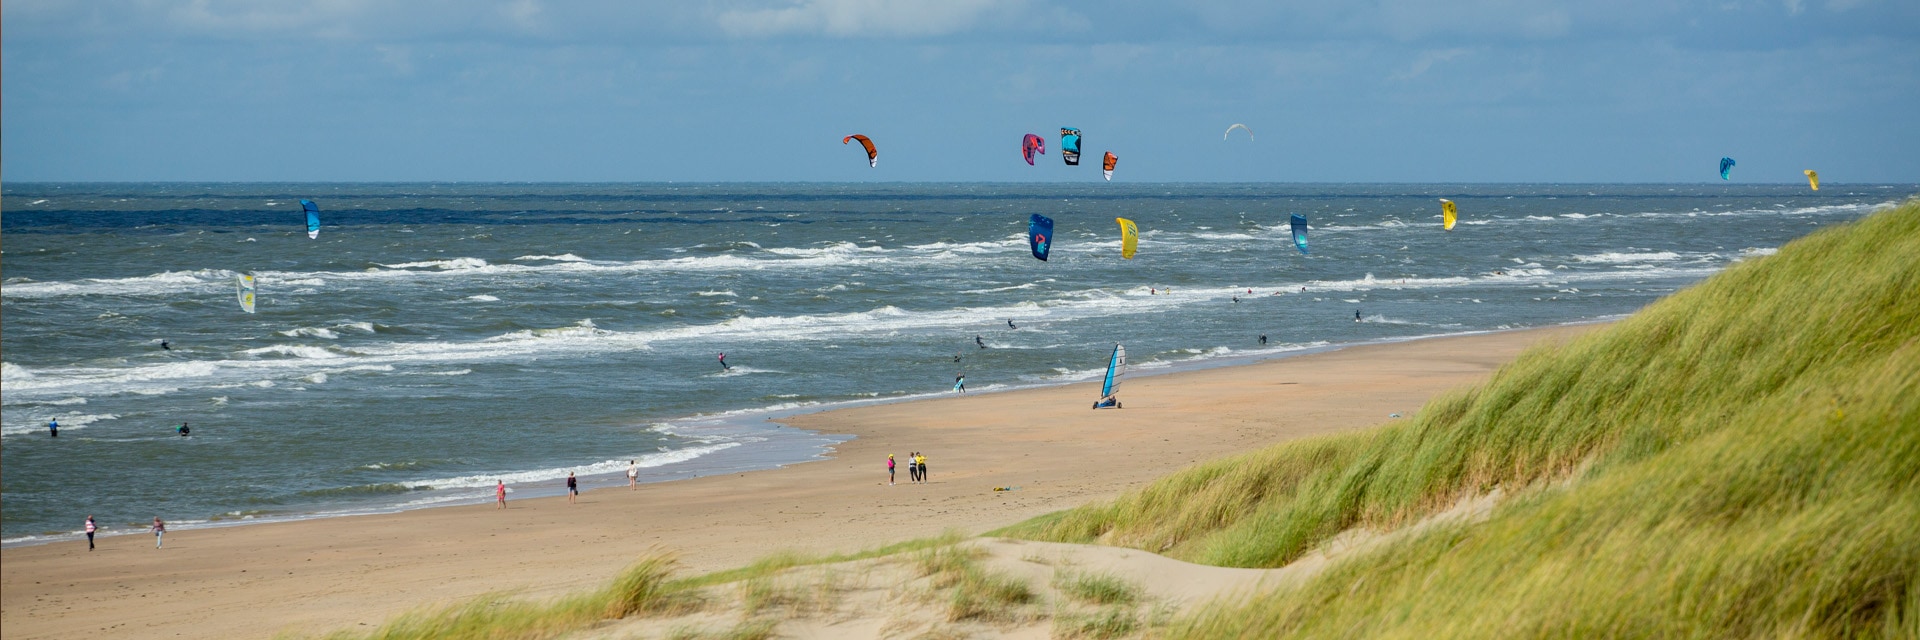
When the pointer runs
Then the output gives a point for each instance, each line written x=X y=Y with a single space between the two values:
x=313 y=218
x=1040 y=235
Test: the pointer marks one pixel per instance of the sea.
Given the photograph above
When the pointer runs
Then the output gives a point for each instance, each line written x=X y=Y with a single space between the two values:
x=437 y=338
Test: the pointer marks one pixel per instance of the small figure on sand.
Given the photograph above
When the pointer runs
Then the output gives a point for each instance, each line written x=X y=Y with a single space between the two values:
x=159 y=530
x=889 y=471
x=913 y=470
x=723 y=362
x=573 y=488
x=633 y=474
x=920 y=465
x=90 y=529
x=500 y=494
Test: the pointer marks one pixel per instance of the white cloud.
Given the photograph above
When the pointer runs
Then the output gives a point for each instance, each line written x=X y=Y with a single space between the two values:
x=884 y=18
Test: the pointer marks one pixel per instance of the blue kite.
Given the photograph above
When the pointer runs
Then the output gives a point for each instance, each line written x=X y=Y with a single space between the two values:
x=1040 y=235
x=313 y=218
x=1300 y=232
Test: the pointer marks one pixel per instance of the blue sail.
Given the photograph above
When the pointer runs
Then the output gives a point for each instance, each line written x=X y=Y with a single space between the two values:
x=1040 y=235
x=1300 y=232
x=1110 y=389
x=313 y=217
x=1726 y=168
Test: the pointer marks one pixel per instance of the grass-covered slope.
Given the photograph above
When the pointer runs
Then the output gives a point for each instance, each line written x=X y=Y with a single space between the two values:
x=1741 y=458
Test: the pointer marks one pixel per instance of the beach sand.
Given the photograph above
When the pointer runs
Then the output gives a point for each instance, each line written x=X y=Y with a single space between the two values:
x=341 y=573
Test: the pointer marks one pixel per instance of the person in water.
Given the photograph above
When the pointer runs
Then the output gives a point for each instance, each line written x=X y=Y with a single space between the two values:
x=163 y=345
x=53 y=428
x=1356 y=315
x=723 y=362
x=1010 y=324
x=976 y=340
x=1236 y=298
x=1263 y=339
x=184 y=431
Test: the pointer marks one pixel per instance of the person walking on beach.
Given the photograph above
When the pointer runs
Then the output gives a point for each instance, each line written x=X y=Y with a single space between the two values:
x=159 y=531
x=633 y=474
x=889 y=474
x=500 y=493
x=90 y=530
x=53 y=428
x=920 y=461
x=913 y=472
x=573 y=488
x=960 y=383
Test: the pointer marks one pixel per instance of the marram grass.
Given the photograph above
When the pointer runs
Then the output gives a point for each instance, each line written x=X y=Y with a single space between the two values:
x=1740 y=459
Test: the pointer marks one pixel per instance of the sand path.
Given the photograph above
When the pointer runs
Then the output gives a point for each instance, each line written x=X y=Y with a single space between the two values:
x=254 y=581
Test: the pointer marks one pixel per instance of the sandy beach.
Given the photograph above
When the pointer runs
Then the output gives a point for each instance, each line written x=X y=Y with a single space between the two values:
x=322 y=575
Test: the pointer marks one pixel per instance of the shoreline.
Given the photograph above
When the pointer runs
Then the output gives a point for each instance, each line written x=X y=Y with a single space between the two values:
x=754 y=420
x=333 y=573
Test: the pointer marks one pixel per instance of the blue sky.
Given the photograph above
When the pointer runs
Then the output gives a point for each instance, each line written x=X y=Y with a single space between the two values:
x=590 y=90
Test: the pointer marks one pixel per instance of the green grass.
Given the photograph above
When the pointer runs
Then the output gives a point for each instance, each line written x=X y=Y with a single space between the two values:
x=1107 y=622
x=1096 y=588
x=1740 y=459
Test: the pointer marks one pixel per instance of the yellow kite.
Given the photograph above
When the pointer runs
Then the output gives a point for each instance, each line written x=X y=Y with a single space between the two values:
x=1448 y=214
x=1129 y=237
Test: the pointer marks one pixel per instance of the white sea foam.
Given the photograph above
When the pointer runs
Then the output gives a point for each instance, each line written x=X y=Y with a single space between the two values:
x=728 y=293
x=294 y=350
x=317 y=377
x=565 y=257
x=546 y=475
x=455 y=263
x=483 y=298
x=69 y=421
x=1621 y=258
x=310 y=332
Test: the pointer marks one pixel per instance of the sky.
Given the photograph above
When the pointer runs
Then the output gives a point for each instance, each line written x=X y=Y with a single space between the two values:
x=764 y=90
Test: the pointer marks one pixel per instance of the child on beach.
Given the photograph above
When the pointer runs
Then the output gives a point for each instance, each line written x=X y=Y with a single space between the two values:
x=889 y=476
x=500 y=493
x=573 y=488
x=159 y=530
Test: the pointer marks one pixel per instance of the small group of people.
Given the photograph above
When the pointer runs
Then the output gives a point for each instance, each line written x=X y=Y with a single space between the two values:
x=916 y=467
x=53 y=429
x=159 y=530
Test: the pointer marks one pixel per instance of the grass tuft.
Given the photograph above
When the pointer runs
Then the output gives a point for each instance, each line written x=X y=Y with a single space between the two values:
x=1107 y=622
x=1097 y=588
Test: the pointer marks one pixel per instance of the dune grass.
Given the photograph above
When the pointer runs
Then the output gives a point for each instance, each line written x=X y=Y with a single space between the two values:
x=645 y=588
x=1741 y=458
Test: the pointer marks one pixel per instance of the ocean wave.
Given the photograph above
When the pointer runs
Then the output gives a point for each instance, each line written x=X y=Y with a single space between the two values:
x=69 y=421
x=557 y=473
x=565 y=257
x=1621 y=258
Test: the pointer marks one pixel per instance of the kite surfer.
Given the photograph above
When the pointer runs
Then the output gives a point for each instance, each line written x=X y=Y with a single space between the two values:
x=976 y=340
x=184 y=431
x=1010 y=324
x=53 y=428
x=1356 y=315
x=723 y=362
x=1236 y=298
x=163 y=345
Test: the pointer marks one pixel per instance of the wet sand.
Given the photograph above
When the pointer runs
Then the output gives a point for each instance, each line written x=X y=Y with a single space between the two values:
x=322 y=575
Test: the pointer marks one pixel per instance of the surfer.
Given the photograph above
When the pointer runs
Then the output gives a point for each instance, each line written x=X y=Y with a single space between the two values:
x=976 y=340
x=184 y=431
x=1010 y=324
x=960 y=383
x=1236 y=298
x=1356 y=315
x=163 y=345
x=1263 y=339
x=53 y=428
x=723 y=362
